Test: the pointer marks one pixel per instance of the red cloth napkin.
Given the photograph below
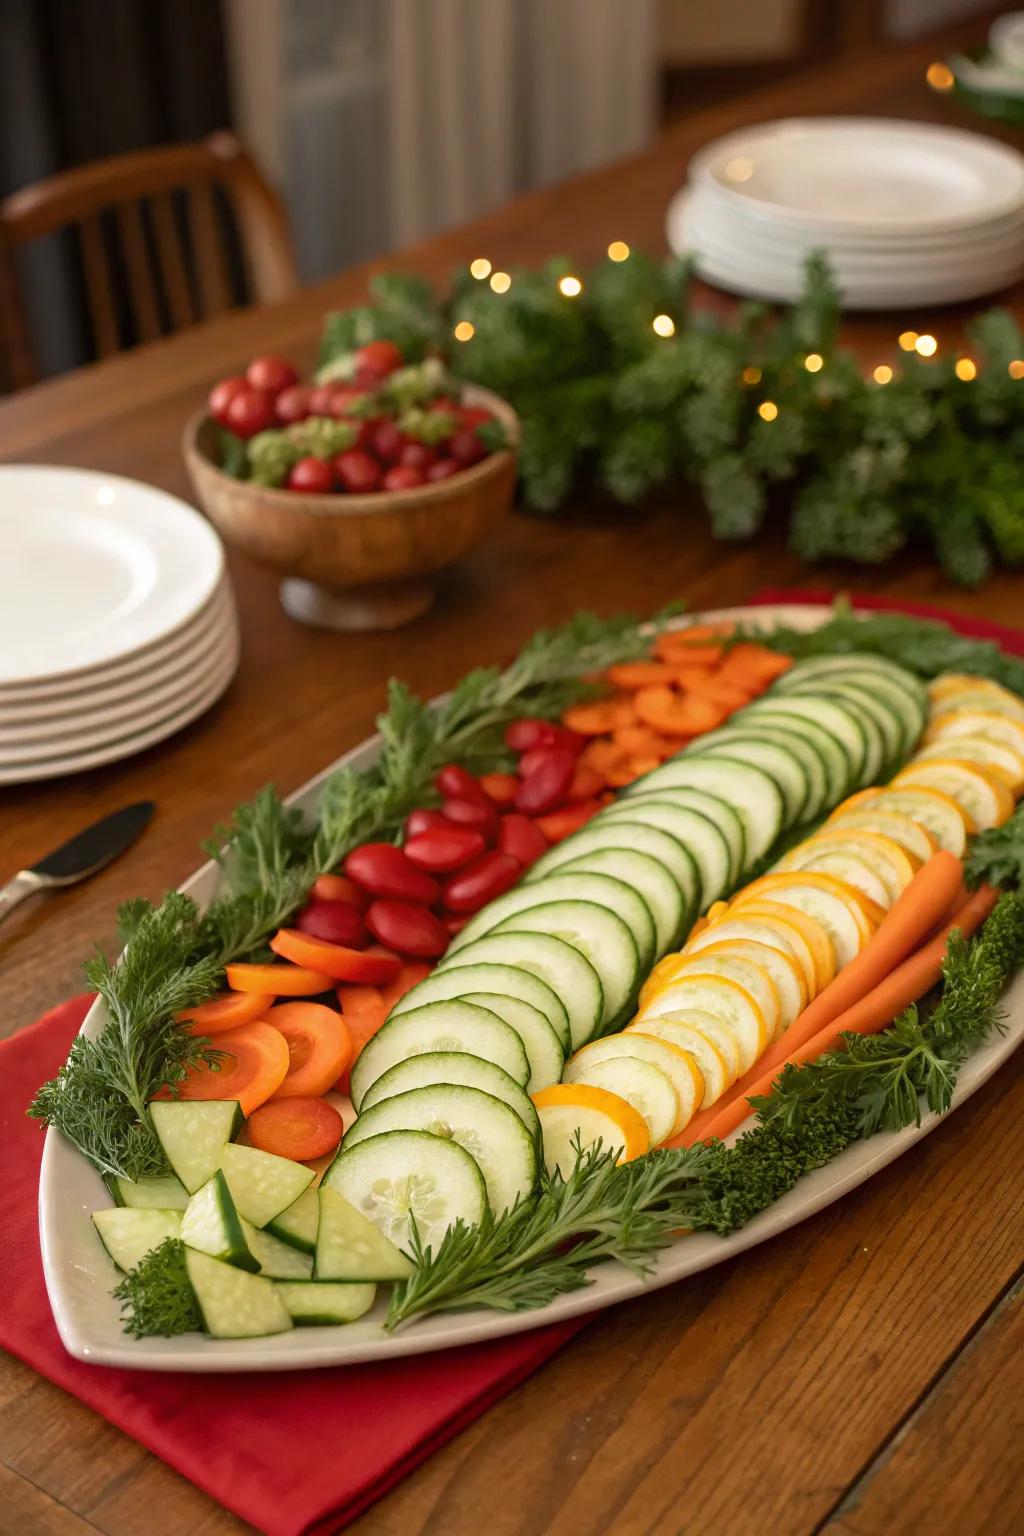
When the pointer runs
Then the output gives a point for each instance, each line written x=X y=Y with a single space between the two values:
x=292 y=1453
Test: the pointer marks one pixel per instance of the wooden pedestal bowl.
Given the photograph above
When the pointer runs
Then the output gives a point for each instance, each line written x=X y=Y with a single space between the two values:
x=357 y=562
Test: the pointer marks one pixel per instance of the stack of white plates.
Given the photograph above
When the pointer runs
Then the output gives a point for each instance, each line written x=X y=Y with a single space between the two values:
x=907 y=213
x=117 y=622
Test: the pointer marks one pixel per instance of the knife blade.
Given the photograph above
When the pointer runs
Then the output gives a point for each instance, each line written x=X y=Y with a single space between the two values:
x=81 y=856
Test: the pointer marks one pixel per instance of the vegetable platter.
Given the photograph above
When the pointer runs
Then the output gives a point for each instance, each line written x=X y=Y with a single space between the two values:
x=706 y=882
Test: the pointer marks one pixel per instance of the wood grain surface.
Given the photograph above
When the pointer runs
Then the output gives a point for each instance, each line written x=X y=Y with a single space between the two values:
x=857 y=1376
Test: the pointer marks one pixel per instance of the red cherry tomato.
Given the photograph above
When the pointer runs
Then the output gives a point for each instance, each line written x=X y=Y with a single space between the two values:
x=249 y=411
x=473 y=813
x=547 y=787
x=418 y=456
x=388 y=441
x=343 y=399
x=456 y=783
x=320 y=399
x=384 y=870
x=481 y=882
x=293 y=404
x=221 y=396
x=357 y=472
x=559 y=824
x=423 y=820
x=409 y=929
x=339 y=888
x=442 y=470
x=400 y=477
x=311 y=474
x=500 y=788
x=271 y=373
x=524 y=735
x=536 y=758
x=442 y=849
x=338 y=922
x=466 y=448
x=522 y=838
x=380 y=357
x=456 y=924
x=475 y=415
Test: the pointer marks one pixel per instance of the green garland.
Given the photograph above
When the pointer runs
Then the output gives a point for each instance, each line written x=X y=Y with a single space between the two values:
x=607 y=402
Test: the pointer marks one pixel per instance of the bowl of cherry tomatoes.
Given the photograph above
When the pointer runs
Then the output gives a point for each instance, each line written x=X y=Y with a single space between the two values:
x=357 y=486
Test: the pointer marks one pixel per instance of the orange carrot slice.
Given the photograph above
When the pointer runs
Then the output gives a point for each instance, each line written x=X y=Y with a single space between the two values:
x=664 y=711
x=639 y=674
x=253 y=1067
x=599 y=718
x=301 y=1129
x=278 y=980
x=319 y=1048
x=226 y=1012
x=373 y=966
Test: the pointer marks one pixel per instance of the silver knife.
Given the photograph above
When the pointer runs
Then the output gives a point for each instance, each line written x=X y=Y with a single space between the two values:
x=81 y=856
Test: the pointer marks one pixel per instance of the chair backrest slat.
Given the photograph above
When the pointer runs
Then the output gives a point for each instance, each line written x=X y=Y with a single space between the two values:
x=141 y=288
x=171 y=262
x=211 y=266
x=102 y=314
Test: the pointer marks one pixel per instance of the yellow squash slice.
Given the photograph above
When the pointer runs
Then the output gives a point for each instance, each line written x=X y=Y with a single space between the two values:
x=706 y=1040
x=570 y=1110
x=678 y=1066
x=723 y=999
x=912 y=837
x=890 y=866
x=938 y=812
x=833 y=903
x=641 y=1084
x=811 y=931
x=770 y=933
x=978 y=722
x=724 y=959
x=781 y=965
x=997 y=759
x=984 y=800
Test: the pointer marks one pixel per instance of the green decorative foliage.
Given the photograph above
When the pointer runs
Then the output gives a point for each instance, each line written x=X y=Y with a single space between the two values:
x=157 y=1299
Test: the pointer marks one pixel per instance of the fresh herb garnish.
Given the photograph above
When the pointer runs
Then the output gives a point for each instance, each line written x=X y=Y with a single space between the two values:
x=997 y=855
x=157 y=1297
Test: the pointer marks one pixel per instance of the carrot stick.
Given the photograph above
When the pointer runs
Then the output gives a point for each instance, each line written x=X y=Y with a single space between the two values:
x=871 y=1013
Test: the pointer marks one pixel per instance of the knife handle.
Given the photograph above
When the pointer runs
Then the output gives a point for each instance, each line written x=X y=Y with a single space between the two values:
x=24 y=884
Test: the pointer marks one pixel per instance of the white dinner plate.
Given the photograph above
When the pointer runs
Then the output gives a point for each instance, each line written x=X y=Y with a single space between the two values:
x=874 y=174
x=79 y=1275
x=94 y=568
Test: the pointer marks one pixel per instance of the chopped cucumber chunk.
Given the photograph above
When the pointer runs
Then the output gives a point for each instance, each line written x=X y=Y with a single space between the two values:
x=193 y=1134
x=235 y=1305
x=129 y=1233
x=350 y=1247
x=279 y=1261
x=211 y=1224
x=321 y=1303
x=262 y=1185
x=156 y=1194
x=297 y=1223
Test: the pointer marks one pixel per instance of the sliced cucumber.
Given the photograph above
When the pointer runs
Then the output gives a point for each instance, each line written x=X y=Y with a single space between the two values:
x=447 y=1026
x=695 y=833
x=565 y=970
x=633 y=837
x=156 y=1194
x=864 y=661
x=211 y=1224
x=193 y=1134
x=235 y=1305
x=791 y=713
x=456 y=1068
x=603 y=890
x=297 y=1223
x=726 y=819
x=493 y=1135
x=279 y=1261
x=410 y=1179
x=842 y=722
x=907 y=705
x=261 y=1184
x=128 y=1233
x=806 y=753
x=882 y=728
x=646 y=876
x=751 y=791
x=543 y=1047
x=321 y=1303
x=781 y=762
x=350 y=1247
x=598 y=935
x=506 y=980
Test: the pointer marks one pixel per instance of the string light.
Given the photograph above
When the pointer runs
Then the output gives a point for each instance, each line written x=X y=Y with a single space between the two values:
x=480 y=268
x=767 y=410
x=751 y=375
x=926 y=346
x=464 y=331
x=501 y=282
x=908 y=340
x=663 y=325
x=814 y=362
x=571 y=287
x=940 y=77
x=882 y=374
x=1016 y=368
x=618 y=251
x=966 y=369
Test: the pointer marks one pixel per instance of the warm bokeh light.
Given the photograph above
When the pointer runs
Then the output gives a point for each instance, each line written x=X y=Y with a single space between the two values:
x=664 y=325
x=570 y=286
x=966 y=369
x=480 y=268
x=464 y=331
x=1016 y=368
x=767 y=410
x=940 y=77
x=926 y=346
x=740 y=169
x=501 y=282
x=618 y=250
x=814 y=362
x=882 y=374
x=908 y=340
x=751 y=375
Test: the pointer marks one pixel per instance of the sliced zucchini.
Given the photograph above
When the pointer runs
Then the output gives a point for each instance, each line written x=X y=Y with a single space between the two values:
x=783 y=764
x=846 y=723
x=727 y=819
x=882 y=726
x=633 y=837
x=504 y=980
x=156 y=1194
x=456 y=1068
x=351 y=1247
x=564 y=969
x=598 y=935
x=767 y=932
x=695 y=832
x=864 y=661
x=234 y=1305
x=261 y=1184
x=193 y=1134
x=279 y=1261
x=321 y=1303
x=128 y=1233
x=297 y=1223
x=785 y=712
x=677 y=1065
x=491 y=1132
x=752 y=792
x=211 y=1224
x=410 y=1179
x=602 y=890
x=646 y=876
x=443 y=1026
x=642 y=1084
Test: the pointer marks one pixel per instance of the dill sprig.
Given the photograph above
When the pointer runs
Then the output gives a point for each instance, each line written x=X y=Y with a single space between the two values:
x=157 y=1297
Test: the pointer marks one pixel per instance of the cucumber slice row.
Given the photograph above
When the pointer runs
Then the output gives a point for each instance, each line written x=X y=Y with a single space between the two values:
x=695 y=832
x=598 y=936
x=650 y=879
x=128 y=1233
x=566 y=971
x=405 y=1179
x=706 y=803
x=783 y=765
x=504 y=980
x=458 y=1069
x=442 y=1026
x=544 y=1050
x=603 y=890
x=797 y=713
x=752 y=792
x=597 y=837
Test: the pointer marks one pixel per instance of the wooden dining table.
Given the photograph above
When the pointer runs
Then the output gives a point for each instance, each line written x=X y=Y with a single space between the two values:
x=863 y=1373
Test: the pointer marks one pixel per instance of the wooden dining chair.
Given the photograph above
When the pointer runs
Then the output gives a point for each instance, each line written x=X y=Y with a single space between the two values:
x=160 y=234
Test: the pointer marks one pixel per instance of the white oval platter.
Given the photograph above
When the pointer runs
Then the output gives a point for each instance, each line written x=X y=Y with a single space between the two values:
x=79 y=1275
